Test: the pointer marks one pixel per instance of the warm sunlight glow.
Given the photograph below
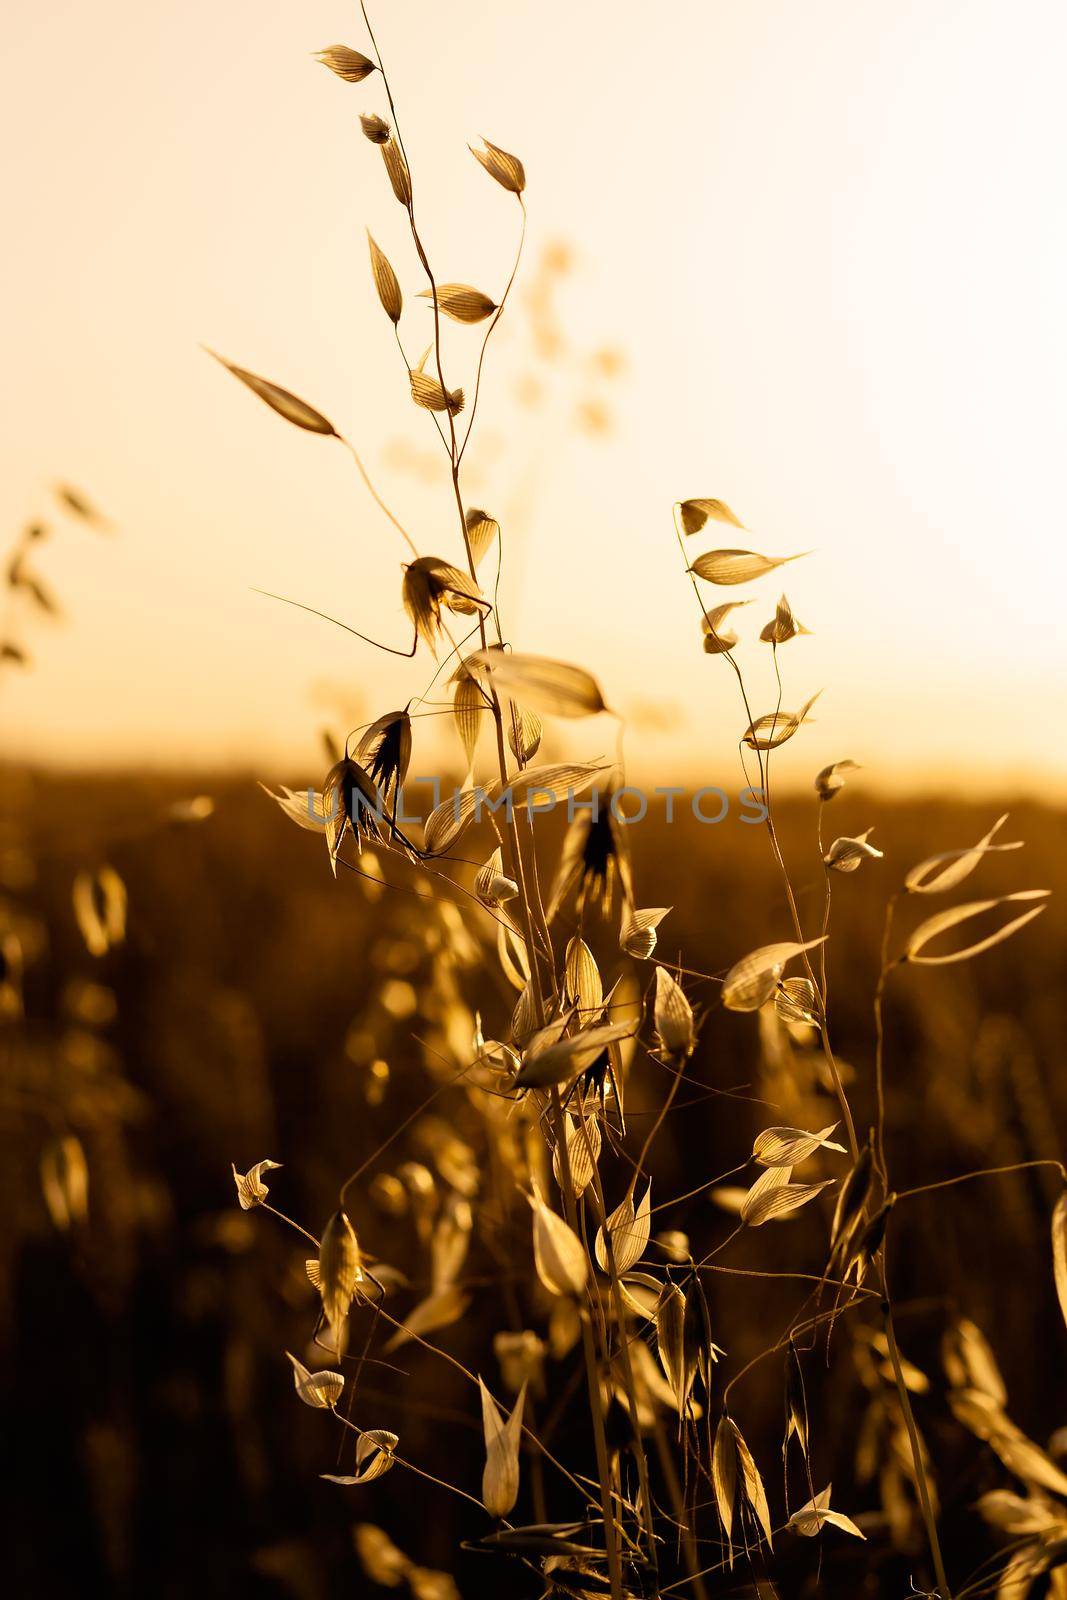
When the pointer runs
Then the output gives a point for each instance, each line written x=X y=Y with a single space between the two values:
x=827 y=241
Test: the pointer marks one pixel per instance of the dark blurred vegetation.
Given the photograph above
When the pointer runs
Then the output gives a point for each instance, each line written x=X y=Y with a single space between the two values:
x=153 y=1435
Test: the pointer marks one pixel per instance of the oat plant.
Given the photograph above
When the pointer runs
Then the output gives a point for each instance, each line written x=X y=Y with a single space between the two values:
x=523 y=1132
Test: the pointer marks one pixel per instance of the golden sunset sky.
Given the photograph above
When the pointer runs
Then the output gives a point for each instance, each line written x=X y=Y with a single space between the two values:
x=828 y=237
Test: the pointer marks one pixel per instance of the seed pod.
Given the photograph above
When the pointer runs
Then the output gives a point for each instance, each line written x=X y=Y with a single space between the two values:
x=347 y=64
x=851 y=1201
x=397 y=169
x=340 y=1269
x=737 y=566
x=629 y=1230
x=375 y=128
x=670 y=1342
x=796 y=1404
x=287 y=405
x=718 y=638
x=375 y=1454
x=460 y=302
x=783 y=626
x=482 y=529
x=831 y=781
x=724 y=1476
x=65 y=1181
x=428 y=393
x=559 y=1257
x=695 y=513
x=673 y=1016
x=869 y=1241
x=500 y=1479
x=845 y=854
x=638 y=936
x=583 y=983
x=251 y=1190
x=322 y=1390
x=385 y=281
x=506 y=169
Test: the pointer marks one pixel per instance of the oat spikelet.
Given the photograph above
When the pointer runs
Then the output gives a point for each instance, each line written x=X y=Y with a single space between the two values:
x=460 y=302
x=506 y=169
x=346 y=63
x=696 y=513
x=385 y=281
x=396 y=168
x=375 y=128
x=340 y=1269
x=280 y=400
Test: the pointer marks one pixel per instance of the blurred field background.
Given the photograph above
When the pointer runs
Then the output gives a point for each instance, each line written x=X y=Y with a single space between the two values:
x=151 y=1414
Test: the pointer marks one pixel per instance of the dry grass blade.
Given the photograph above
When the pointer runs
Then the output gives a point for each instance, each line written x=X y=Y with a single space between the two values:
x=460 y=302
x=929 y=930
x=385 y=281
x=280 y=400
x=752 y=981
x=738 y=566
x=696 y=514
x=348 y=64
x=500 y=1479
x=555 y=687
